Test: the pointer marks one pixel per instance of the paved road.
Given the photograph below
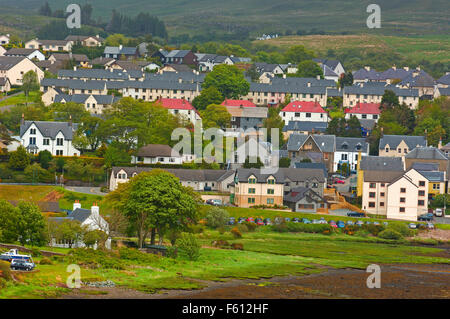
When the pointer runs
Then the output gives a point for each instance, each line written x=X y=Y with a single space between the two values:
x=85 y=190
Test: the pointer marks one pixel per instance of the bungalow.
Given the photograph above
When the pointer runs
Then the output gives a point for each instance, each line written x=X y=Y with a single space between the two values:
x=303 y=111
x=302 y=199
x=364 y=111
x=94 y=103
x=199 y=179
x=49 y=45
x=14 y=68
x=180 y=57
x=400 y=145
x=81 y=59
x=86 y=40
x=157 y=153
x=120 y=52
x=32 y=54
x=182 y=108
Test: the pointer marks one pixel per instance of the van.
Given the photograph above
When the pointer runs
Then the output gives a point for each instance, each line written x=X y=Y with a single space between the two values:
x=438 y=212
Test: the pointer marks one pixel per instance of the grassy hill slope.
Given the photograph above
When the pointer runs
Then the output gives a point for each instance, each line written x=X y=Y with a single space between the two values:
x=258 y=16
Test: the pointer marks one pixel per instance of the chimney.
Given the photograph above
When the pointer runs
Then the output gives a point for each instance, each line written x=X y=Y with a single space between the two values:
x=70 y=120
x=367 y=68
x=97 y=36
x=394 y=67
x=23 y=119
x=284 y=76
x=95 y=210
x=309 y=84
x=382 y=131
x=76 y=204
x=318 y=77
x=74 y=67
x=440 y=143
x=120 y=47
x=406 y=69
x=180 y=80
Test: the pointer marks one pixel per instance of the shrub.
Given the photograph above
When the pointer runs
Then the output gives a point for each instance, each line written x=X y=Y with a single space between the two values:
x=95 y=258
x=307 y=228
x=35 y=252
x=5 y=271
x=237 y=246
x=401 y=228
x=390 y=234
x=281 y=228
x=236 y=232
x=242 y=228
x=45 y=261
x=373 y=229
x=250 y=226
x=196 y=229
x=221 y=230
x=188 y=246
x=217 y=217
x=350 y=229
x=136 y=255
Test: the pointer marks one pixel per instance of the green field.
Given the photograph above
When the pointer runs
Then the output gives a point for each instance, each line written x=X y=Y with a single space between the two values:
x=259 y=16
x=435 y=48
x=20 y=99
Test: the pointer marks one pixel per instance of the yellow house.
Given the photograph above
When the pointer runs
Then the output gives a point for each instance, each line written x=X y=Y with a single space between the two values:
x=255 y=188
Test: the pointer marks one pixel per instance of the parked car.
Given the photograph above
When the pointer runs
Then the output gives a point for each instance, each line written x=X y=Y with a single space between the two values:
x=426 y=217
x=287 y=219
x=296 y=220
x=241 y=220
x=306 y=221
x=385 y=223
x=412 y=226
x=22 y=264
x=338 y=181
x=350 y=222
x=267 y=221
x=376 y=223
x=340 y=224
x=214 y=202
x=259 y=221
x=333 y=223
x=359 y=223
x=338 y=176
x=438 y=212
x=315 y=221
x=421 y=226
x=231 y=221
x=322 y=221
x=430 y=226
x=278 y=220
x=368 y=222
x=355 y=214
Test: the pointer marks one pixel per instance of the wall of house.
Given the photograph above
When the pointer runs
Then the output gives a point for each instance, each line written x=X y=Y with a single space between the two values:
x=303 y=116
x=261 y=196
x=379 y=200
x=410 y=204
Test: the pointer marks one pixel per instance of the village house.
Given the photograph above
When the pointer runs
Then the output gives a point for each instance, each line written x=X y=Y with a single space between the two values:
x=157 y=153
x=233 y=103
x=364 y=111
x=55 y=137
x=14 y=68
x=100 y=75
x=182 y=108
x=400 y=145
x=180 y=57
x=120 y=52
x=305 y=200
x=243 y=117
x=348 y=150
x=52 y=87
x=334 y=65
x=80 y=59
x=89 y=219
x=251 y=150
x=32 y=54
x=303 y=111
x=317 y=148
x=4 y=39
x=86 y=40
x=198 y=179
x=444 y=81
x=95 y=104
x=102 y=62
x=420 y=80
x=49 y=45
x=207 y=62
x=304 y=127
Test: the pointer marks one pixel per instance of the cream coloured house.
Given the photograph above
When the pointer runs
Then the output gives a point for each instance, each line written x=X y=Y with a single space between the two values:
x=14 y=69
x=49 y=45
x=400 y=145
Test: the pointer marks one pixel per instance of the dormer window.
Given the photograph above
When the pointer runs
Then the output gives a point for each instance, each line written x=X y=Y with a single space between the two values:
x=271 y=181
x=32 y=131
x=344 y=146
x=252 y=180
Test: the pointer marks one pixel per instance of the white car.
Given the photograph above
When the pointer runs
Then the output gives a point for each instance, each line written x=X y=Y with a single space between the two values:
x=438 y=212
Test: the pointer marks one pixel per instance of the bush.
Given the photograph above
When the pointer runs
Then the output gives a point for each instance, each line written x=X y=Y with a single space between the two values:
x=242 y=228
x=401 y=228
x=308 y=228
x=188 y=246
x=136 y=255
x=5 y=271
x=95 y=258
x=45 y=261
x=217 y=217
x=35 y=252
x=221 y=230
x=196 y=229
x=390 y=234
x=250 y=226
x=281 y=228
x=236 y=232
x=373 y=229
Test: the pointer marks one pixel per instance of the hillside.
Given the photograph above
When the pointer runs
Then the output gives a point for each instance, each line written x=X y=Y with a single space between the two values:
x=258 y=16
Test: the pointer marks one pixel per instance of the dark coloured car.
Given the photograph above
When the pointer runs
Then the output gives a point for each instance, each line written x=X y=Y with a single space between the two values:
x=241 y=220
x=22 y=264
x=267 y=221
x=259 y=221
x=306 y=221
x=296 y=220
x=231 y=221
x=430 y=226
x=340 y=224
x=426 y=217
x=355 y=214
x=287 y=219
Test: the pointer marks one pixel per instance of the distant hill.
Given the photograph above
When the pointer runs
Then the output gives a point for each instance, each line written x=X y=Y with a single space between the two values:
x=259 y=16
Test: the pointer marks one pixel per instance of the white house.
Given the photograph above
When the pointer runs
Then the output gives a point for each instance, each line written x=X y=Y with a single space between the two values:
x=90 y=220
x=2 y=51
x=364 y=111
x=55 y=137
x=182 y=108
x=4 y=39
x=348 y=150
x=32 y=54
x=14 y=68
x=253 y=149
x=157 y=153
x=303 y=111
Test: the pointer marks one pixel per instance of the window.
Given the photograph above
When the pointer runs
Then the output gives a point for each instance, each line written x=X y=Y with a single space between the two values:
x=343 y=157
x=251 y=200
x=160 y=159
x=59 y=152
x=364 y=116
x=32 y=131
x=59 y=141
x=372 y=194
x=297 y=114
x=252 y=180
x=402 y=209
x=270 y=181
x=402 y=199
x=421 y=193
x=251 y=191
x=402 y=190
x=436 y=186
x=270 y=201
x=270 y=191
x=399 y=150
x=375 y=116
x=372 y=185
x=32 y=140
x=420 y=202
x=371 y=204
x=421 y=183
x=382 y=194
x=308 y=114
x=405 y=150
x=382 y=185
x=381 y=204
x=46 y=141
x=387 y=149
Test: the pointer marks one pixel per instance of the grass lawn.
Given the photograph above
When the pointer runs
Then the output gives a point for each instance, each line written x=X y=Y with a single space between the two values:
x=20 y=99
x=23 y=192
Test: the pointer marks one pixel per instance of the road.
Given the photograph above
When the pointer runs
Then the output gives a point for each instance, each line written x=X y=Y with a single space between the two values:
x=85 y=190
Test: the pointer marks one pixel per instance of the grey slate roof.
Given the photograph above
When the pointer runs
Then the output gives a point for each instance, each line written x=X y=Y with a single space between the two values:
x=364 y=74
x=51 y=129
x=299 y=193
x=381 y=163
x=19 y=51
x=368 y=124
x=394 y=140
x=8 y=62
x=282 y=175
x=80 y=214
x=120 y=51
x=444 y=91
x=334 y=92
x=156 y=150
x=100 y=74
x=262 y=67
x=305 y=165
x=397 y=73
x=433 y=176
x=305 y=126
x=332 y=64
x=378 y=89
x=445 y=79
x=418 y=166
x=428 y=153
x=81 y=98
x=200 y=175
x=177 y=53
x=326 y=143
x=422 y=79
x=351 y=144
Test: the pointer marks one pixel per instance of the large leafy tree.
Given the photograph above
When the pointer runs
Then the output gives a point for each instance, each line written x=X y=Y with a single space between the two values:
x=229 y=80
x=8 y=222
x=155 y=200
x=19 y=159
x=309 y=69
x=30 y=82
x=297 y=54
x=31 y=225
x=215 y=116
x=274 y=120
x=207 y=97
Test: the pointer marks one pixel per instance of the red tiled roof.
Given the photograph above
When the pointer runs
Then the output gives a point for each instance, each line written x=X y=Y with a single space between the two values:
x=244 y=103
x=179 y=104
x=365 y=108
x=301 y=106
